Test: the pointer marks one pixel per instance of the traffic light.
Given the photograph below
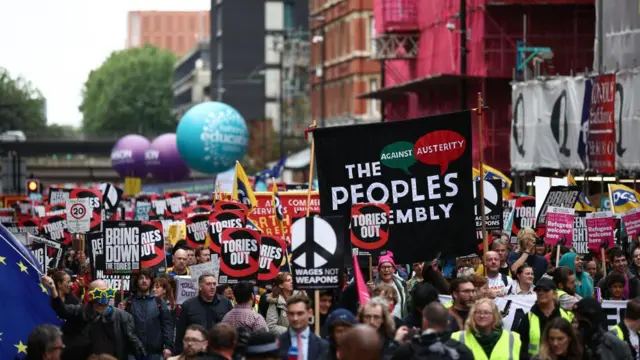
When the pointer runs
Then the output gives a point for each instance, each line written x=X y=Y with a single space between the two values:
x=33 y=187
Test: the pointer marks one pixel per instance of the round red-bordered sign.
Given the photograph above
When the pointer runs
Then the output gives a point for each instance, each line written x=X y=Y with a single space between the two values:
x=78 y=211
x=380 y=235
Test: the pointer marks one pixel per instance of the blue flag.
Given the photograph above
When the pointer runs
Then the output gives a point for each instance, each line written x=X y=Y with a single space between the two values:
x=25 y=301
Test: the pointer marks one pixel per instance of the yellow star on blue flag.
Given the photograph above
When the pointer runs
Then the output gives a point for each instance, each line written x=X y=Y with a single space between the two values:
x=25 y=303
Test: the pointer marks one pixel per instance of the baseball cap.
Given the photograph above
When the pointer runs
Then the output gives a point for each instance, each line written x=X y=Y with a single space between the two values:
x=546 y=283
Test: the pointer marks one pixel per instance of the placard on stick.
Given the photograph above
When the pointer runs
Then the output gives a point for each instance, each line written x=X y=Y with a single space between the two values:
x=559 y=222
x=239 y=255
x=122 y=246
x=369 y=228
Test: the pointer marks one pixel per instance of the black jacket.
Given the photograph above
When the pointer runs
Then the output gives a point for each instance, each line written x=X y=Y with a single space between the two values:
x=198 y=311
x=524 y=328
x=125 y=338
x=433 y=346
x=318 y=347
x=154 y=325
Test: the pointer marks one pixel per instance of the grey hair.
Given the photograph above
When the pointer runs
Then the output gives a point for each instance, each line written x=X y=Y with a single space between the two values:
x=500 y=241
x=42 y=340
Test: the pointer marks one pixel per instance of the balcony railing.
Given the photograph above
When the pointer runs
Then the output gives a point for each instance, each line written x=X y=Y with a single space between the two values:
x=399 y=15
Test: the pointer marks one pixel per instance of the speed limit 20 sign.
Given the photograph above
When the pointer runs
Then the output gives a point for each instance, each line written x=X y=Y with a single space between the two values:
x=79 y=215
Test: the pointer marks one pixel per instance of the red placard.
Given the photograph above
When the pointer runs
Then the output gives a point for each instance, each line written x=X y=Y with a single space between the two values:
x=239 y=255
x=631 y=221
x=369 y=227
x=600 y=228
x=293 y=204
x=601 y=141
x=272 y=253
x=152 y=254
x=221 y=220
x=559 y=226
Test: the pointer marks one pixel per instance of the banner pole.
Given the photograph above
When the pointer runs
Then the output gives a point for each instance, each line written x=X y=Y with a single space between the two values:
x=316 y=293
x=480 y=113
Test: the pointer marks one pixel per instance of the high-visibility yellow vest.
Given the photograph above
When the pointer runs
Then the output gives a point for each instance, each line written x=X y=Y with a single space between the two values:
x=507 y=347
x=448 y=304
x=617 y=331
x=560 y=293
x=534 y=330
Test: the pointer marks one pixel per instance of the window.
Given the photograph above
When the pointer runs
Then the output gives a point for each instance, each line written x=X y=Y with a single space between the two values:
x=289 y=15
x=156 y=23
x=219 y=21
x=372 y=35
x=274 y=15
x=374 y=104
x=219 y=53
x=169 y=22
x=168 y=42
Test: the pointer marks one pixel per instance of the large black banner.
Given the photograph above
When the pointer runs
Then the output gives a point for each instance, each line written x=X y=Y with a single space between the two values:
x=121 y=246
x=420 y=167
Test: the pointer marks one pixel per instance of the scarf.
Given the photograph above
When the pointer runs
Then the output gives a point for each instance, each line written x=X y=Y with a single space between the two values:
x=584 y=283
x=488 y=341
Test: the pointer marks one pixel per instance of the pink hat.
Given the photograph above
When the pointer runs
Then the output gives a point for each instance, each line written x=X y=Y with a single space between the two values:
x=387 y=258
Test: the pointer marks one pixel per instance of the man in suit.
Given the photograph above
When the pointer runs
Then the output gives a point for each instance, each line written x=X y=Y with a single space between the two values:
x=299 y=336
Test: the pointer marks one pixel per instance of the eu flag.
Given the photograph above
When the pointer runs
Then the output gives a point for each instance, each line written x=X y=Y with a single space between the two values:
x=24 y=300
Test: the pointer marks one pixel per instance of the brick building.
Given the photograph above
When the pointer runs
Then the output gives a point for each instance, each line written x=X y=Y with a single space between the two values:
x=348 y=28
x=178 y=31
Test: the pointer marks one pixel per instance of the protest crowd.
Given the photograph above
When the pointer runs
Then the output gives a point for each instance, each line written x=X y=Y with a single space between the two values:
x=249 y=276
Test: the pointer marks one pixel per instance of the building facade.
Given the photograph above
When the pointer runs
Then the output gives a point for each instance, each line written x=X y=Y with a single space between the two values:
x=177 y=31
x=341 y=61
x=432 y=67
x=246 y=47
x=191 y=79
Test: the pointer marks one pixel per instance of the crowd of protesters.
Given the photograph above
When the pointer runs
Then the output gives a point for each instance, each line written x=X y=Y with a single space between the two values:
x=405 y=317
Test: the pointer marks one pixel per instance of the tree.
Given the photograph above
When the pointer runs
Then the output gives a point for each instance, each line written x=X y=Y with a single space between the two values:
x=130 y=93
x=22 y=106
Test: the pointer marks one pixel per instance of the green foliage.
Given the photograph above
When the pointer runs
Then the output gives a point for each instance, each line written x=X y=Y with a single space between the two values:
x=62 y=131
x=22 y=106
x=130 y=93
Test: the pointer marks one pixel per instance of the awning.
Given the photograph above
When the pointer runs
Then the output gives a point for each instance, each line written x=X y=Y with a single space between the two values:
x=399 y=90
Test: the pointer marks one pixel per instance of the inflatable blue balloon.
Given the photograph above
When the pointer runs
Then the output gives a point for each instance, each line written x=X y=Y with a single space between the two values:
x=211 y=136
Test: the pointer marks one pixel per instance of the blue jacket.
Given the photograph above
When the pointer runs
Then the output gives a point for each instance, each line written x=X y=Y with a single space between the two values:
x=318 y=347
x=153 y=323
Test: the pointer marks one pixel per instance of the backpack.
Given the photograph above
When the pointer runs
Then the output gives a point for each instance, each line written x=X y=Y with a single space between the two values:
x=505 y=279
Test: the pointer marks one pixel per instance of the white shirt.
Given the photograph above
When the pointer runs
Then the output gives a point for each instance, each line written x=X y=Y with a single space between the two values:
x=635 y=342
x=497 y=286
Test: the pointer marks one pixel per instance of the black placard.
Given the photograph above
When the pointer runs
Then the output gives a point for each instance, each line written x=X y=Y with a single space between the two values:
x=558 y=196
x=492 y=205
x=420 y=167
x=318 y=244
x=239 y=255
x=121 y=247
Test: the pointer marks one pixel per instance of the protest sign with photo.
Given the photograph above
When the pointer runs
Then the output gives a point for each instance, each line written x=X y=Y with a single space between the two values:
x=239 y=255
x=152 y=254
x=560 y=197
x=54 y=227
x=272 y=255
x=559 y=225
x=47 y=252
x=631 y=221
x=318 y=244
x=58 y=195
x=524 y=215
x=580 y=237
x=212 y=267
x=197 y=230
x=369 y=228
x=600 y=230
x=220 y=220
x=121 y=247
x=419 y=167
x=492 y=205
x=95 y=205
